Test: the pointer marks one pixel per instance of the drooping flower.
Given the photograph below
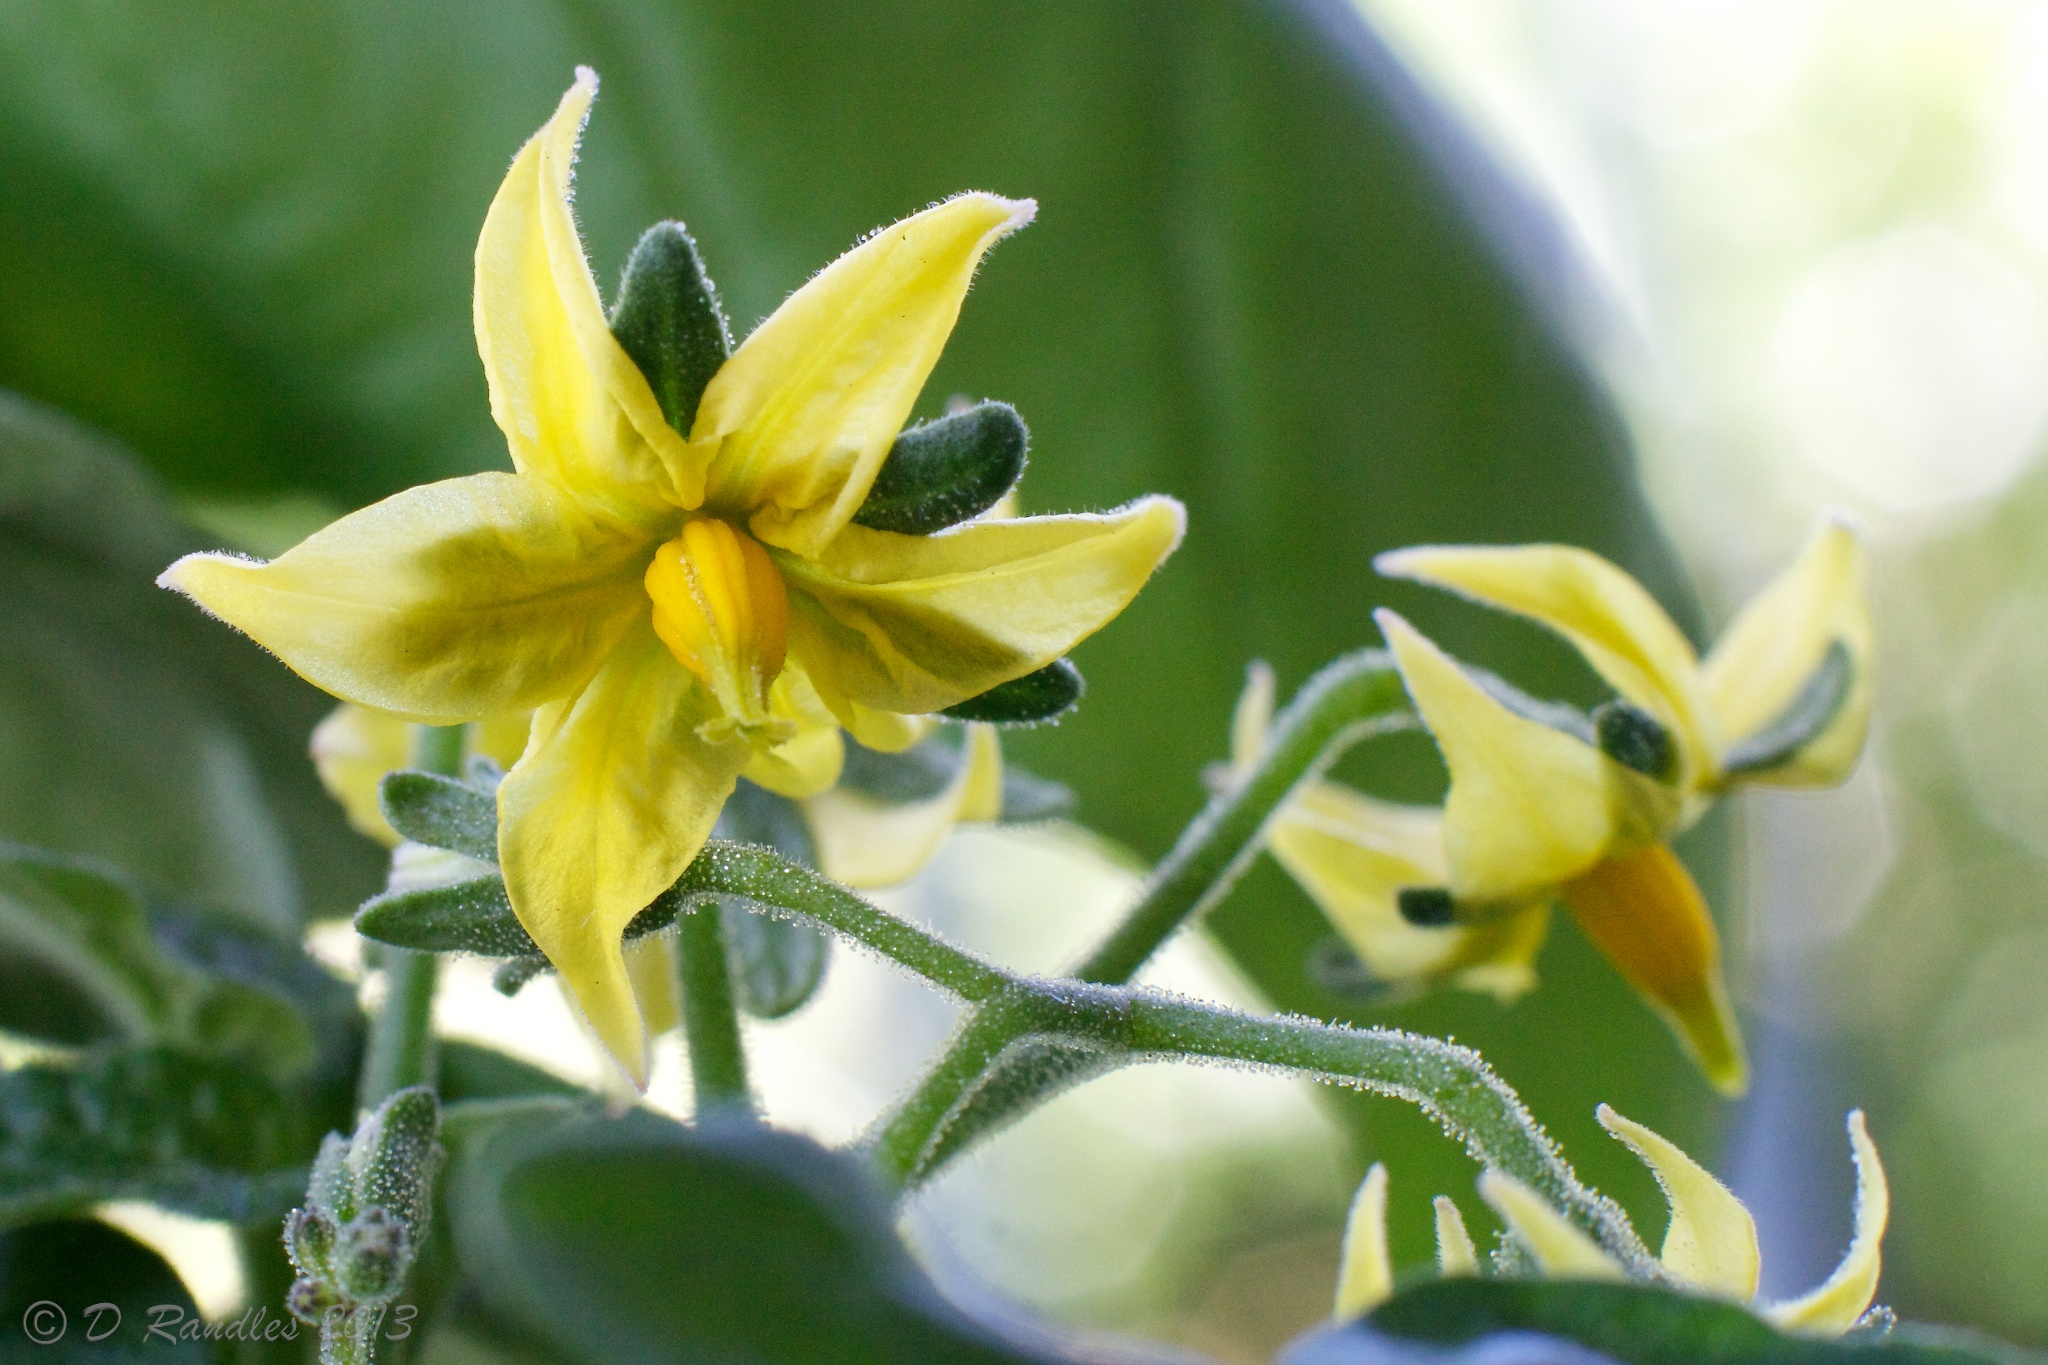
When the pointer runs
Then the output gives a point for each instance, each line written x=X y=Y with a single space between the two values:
x=1710 y=1244
x=1353 y=855
x=1546 y=802
x=679 y=609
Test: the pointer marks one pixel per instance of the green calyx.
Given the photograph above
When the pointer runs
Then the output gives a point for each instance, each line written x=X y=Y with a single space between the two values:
x=1034 y=699
x=670 y=322
x=939 y=474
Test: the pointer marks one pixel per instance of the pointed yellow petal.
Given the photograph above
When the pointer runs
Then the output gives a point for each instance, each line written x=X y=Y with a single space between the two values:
x=442 y=603
x=614 y=797
x=1529 y=806
x=1365 y=1276
x=1561 y=1250
x=653 y=973
x=914 y=624
x=1711 y=1242
x=352 y=750
x=1455 y=1254
x=1771 y=650
x=804 y=413
x=1644 y=911
x=810 y=762
x=1834 y=1307
x=573 y=405
x=1252 y=717
x=1601 y=610
x=865 y=842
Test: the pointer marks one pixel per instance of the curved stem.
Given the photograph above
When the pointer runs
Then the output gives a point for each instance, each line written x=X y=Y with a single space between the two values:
x=711 y=1019
x=400 y=1049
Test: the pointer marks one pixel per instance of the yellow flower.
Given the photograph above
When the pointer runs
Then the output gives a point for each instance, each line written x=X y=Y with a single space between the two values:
x=1710 y=1245
x=1545 y=802
x=677 y=610
x=1353 y=855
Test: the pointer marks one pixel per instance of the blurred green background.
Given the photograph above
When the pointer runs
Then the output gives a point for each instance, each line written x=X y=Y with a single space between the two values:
x=1336 y=296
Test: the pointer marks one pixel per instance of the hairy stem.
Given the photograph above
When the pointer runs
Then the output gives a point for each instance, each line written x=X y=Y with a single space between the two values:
x=400 y=1050
x=711 y=1020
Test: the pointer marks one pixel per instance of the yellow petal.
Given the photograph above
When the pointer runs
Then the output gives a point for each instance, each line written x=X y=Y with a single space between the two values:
x=1353 y=854
x=1365 y=1276
x=915 y=624
x=652 y=971
x=809 y=762
x=981 y=799
x=804 y=413
x=1529 y=806
x=1711 y=1242
x=1253 y=716
x=352 y=750
x=867 y=843
x=501 y=738
x=886 y=732
x=443 y=603
x=1561 y=1250
x=573 y=405
x=613 y=798
x=1601 y=610
x=1644 y=911
x=1455 y=1254
x=1835 y=1306
x=1771 y=650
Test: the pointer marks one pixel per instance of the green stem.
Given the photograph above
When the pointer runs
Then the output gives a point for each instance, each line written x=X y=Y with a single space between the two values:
x=1352 y=698
x=711 y=1021
x=400 y=1051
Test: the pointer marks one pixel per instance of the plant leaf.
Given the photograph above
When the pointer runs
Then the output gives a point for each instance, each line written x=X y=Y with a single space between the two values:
x=442 y=812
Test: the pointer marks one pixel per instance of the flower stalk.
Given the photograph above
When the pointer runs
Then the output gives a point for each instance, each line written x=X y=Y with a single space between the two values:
x=710 y=1013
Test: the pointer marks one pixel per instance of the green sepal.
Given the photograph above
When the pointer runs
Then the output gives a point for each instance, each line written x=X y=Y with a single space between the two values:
x=1801 y=722
x=1034 y=699
x=939 y=474
x=1635 y=739
x=777 y=964
x=511 y=976
x=441 y=813
x=473 y=916
x=669 y=320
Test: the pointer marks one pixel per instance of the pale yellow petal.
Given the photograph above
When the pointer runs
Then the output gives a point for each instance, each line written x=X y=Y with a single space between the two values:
x=1605 y=614
x=1835 y=1307
x=1644 y=911
x=867 y=843
x=1772 y=649
x=1455 y=1254
x=1711 y=1243
x=1252 y=717
x=443 y=603
x=572 y=404
x=886 y=732
x=613 y=798
x=804 y=413
x=1529 y=806
x=1365 y=1276
x=352 y=750
x=809 y=762
x=981 y=796
x=1561 y=1250
x=501 y=738
x=651 y=968
x=914 y=624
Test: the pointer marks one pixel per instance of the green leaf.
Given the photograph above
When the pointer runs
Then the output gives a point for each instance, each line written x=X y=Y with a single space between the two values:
x=201 y=1137
x=133 y=729
x=79 y=943
x=640 y=1239
x=944 y=472
x=469 y=1071
x=777 y=964
x=1033 y=699
x=1629 y=1324
x=669 y=320
x=75 y=1265
x=442 y=812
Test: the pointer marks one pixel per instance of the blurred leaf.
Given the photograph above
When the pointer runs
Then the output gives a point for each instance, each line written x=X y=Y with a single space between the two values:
x=131 y=729
x=640 y=1239
x=79 y=1264
x=469 y=1071
x=197 y=1136
x=1630 y=1324
x=442 y=812
x=1269 y=276
x=80 y=965
x=777 y=964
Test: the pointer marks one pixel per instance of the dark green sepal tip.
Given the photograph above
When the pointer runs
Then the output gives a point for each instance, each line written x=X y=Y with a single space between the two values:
x=942 y=473
x=669 y=320
x=1425 y=907
x=1635 y=739
x=1033 y=699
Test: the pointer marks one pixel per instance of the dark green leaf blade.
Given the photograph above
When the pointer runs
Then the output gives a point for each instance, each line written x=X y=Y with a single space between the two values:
x=670 y=322
x=941 y=473
x=1034 y=699
x=442 y=812
x=77 y=1264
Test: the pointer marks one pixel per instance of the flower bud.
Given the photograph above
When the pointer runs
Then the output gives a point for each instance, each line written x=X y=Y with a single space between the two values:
x=309 y=1240
x=372 y=1254
x=310 y=1301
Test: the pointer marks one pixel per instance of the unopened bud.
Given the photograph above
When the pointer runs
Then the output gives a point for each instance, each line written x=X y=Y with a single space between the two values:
x=309 y=1240
x=372 y=1255
x=310 y=1301
x=1635 y=739
x=1426 y=907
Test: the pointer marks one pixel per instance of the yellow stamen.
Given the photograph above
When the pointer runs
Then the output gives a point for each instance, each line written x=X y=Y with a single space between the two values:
x=722 y=610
